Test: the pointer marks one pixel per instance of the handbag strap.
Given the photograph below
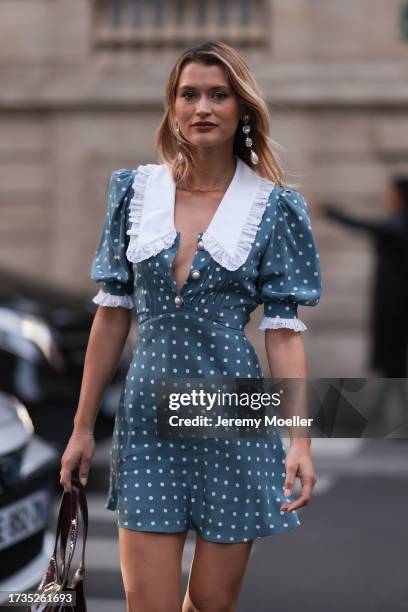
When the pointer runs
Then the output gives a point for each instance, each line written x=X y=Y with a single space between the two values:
x=67 y=511
x=68 y=531
x=84 y=510
x=78 y=501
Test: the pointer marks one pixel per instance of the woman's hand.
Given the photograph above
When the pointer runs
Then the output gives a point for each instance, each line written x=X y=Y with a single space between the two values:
x=299 y=463
x=79 y=451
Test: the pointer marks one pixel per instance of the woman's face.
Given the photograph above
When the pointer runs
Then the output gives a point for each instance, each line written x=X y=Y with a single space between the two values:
x=204 y=94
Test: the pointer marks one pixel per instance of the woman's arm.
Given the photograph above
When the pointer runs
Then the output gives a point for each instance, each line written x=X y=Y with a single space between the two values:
x=287 y=359
x=109 y=331
x=286 y=353
x=381 y=228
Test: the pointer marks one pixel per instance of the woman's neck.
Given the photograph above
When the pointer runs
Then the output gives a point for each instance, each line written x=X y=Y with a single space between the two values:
x=212 y=173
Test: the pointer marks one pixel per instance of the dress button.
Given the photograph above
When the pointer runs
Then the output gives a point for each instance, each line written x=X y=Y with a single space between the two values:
x=200 y=245
x=178 y=300
x=195 y=274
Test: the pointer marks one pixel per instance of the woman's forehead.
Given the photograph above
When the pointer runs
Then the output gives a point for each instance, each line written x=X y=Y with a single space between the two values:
x=195 y=74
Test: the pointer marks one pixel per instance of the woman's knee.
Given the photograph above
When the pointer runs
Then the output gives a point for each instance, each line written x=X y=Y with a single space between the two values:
x=141 y=601
x=201 y=601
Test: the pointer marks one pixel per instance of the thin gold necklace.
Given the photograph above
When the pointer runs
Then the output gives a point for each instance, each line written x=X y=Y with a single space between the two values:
x=210 y=190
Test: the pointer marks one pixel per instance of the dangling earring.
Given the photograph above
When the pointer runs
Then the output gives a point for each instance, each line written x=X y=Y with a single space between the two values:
x=246 y=128
x=180 y=156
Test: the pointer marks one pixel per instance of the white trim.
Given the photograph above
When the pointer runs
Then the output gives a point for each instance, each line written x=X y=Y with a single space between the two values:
x=231 y=233
x=102 y=298
x=279 y=323
x=151 y=230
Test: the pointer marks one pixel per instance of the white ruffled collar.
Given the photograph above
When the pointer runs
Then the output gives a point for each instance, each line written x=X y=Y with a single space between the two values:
x=231 y=233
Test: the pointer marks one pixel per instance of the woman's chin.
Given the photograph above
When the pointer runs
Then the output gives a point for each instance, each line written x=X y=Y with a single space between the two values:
x=206 y=142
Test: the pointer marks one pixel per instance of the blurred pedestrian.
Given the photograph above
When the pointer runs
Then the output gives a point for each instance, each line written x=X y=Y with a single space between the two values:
x=389 y=329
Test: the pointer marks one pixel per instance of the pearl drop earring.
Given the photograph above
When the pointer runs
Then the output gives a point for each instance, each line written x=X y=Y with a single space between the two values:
x=180 y=156
x=246 y=128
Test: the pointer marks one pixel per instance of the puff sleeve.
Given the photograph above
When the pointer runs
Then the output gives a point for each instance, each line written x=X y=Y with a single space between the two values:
x=110 y=267
x=289 y=272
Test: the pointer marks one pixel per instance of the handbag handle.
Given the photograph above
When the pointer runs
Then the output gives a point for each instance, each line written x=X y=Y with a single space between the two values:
x=69 y=529
x=66 y=525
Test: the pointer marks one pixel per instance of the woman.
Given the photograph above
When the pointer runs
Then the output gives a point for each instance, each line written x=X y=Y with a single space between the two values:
x=195 y=244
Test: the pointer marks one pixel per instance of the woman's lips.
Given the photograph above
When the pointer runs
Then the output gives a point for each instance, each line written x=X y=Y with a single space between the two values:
x=204 y=127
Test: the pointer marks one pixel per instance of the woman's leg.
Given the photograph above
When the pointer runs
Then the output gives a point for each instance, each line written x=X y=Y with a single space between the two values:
x=151 y=569
x=216 y=576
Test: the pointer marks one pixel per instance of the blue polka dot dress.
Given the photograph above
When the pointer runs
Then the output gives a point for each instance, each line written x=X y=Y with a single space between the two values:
x=258 y=249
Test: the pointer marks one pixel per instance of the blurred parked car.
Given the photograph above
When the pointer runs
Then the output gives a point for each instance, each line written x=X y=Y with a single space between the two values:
x=27 y=483
x=43 y=338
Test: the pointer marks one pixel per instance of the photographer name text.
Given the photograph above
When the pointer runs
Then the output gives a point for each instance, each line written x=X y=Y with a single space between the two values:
x=266 y=421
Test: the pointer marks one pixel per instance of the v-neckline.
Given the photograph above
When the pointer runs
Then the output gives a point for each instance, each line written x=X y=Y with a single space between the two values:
x=201 y=234
x=176 y=244
x=217 y=212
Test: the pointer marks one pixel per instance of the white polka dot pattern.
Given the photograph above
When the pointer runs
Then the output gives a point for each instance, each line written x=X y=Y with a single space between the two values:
x=110 y=266
x=289 y=273
x=227 y=490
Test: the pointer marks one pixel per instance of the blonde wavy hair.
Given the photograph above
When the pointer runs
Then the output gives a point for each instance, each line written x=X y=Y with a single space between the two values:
x=243 y=84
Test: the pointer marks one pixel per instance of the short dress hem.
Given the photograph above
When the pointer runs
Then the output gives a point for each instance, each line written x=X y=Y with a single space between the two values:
x=293 y=522
x=221 y=540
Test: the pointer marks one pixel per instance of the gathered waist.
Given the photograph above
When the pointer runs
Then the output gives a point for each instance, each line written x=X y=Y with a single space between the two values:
x=187 y=314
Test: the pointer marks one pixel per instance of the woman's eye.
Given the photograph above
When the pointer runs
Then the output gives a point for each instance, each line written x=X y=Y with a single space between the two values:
x=189 y=94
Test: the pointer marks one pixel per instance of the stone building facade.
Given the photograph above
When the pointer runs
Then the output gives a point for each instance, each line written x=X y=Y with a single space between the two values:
x=81 y=93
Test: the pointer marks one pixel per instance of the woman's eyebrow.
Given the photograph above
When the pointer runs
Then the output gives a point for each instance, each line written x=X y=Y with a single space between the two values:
x=193 y=87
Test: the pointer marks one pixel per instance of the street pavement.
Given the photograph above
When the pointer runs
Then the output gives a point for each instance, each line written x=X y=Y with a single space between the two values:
x=350 y=552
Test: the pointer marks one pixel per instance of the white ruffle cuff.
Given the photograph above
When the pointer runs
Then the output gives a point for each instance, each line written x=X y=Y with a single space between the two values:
x=279 y=323
x=108 y=299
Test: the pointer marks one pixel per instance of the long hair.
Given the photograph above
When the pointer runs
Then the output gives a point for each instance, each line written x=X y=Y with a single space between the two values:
x=244 y=86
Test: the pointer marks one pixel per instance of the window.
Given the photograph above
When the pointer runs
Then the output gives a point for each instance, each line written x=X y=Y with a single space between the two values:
x=404 y=20
x=127 y=23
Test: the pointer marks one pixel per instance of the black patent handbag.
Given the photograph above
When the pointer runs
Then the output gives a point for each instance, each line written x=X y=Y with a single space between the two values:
x=53 y=592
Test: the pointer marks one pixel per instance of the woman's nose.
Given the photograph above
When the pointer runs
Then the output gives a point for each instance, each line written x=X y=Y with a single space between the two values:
x=203 y=104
